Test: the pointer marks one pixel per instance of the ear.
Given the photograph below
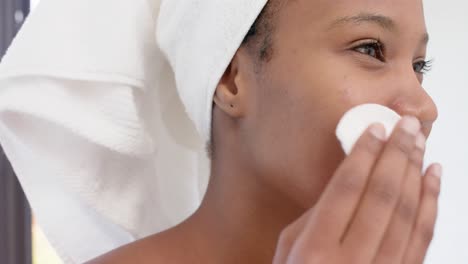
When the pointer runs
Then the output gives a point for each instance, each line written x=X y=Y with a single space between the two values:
x=230 y=92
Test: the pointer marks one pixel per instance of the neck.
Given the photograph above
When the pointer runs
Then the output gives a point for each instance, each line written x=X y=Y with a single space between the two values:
x=241 y=217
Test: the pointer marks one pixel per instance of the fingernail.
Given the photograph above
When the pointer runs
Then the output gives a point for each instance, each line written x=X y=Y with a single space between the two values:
x=421 y=141
x=378 y=131
x=411 y=125
x=436 y=170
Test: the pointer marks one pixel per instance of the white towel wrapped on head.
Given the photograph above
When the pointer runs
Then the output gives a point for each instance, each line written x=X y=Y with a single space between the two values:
x=103 y=142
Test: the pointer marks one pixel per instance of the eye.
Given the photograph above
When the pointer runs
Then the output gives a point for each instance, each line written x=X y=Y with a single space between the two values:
x=422 y=67
x=373 y=48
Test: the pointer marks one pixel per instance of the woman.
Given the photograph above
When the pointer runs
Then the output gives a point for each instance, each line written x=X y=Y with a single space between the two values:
x=107 y=171
x=280 y=188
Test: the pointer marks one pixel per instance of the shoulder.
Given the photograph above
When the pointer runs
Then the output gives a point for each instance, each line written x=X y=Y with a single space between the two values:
x=164 y=247
x=143 y=251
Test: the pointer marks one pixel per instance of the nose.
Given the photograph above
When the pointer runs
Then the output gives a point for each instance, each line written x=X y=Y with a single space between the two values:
x=413 y=100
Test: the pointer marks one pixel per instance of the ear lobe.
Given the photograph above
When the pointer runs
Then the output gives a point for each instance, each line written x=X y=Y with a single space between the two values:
x=227 y=101
x=227 y=95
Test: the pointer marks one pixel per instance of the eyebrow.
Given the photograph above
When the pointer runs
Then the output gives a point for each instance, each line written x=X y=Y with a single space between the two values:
x=380 y=20
x=383 y=21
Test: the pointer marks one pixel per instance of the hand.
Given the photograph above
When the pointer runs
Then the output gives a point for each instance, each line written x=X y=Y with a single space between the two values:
x=378 y=208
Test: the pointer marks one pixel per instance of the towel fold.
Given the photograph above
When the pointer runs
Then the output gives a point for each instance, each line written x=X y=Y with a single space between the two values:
x=106 y=146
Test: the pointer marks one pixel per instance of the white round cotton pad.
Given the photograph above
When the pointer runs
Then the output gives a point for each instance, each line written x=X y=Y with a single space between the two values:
x=358 y=119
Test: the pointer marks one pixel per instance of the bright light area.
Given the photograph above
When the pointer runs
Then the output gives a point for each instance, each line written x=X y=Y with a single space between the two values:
x=33 y=4
x=42 y=251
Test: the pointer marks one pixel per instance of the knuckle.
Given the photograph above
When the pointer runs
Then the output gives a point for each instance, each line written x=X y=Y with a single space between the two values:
x=370 y=144
x=353 y=256
x=385 y=192
x=404 y=142
x=315 y=256
x=388 y=257
x=416 y=158
x=407 y=210
x=351 y=183
x=433 y=188
x=387 y=254
x=426 y=234
x=309 y=255
x=286 y=238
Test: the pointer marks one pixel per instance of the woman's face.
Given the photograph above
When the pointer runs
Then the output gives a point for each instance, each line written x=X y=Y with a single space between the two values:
x=328 y=57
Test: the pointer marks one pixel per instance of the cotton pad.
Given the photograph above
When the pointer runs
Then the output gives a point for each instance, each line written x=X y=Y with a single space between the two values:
x=354 y=122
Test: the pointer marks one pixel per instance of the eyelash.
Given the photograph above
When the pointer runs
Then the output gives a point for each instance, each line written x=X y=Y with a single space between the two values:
x=424 y=68
x=366 y=47
x=376 y=49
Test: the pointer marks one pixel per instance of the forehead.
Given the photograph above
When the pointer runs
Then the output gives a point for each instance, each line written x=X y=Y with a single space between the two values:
x=407 y=14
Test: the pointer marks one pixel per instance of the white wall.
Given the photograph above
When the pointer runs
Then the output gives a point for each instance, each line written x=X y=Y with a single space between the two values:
x=447 y=23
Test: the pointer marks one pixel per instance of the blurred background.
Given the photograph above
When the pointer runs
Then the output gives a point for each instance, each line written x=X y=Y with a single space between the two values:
x=22 y=241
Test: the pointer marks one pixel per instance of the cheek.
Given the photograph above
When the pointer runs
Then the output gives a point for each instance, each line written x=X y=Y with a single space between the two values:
x=292 y=133
x=294 y=142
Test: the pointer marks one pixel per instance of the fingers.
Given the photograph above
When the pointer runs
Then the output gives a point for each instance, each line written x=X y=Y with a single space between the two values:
x=424 y=228
x=396 y=239
x=334 y=210
x=288 y=237
x=383 y=191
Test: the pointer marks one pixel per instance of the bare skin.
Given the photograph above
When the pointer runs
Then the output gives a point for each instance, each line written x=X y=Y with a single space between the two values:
x=281 y=189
